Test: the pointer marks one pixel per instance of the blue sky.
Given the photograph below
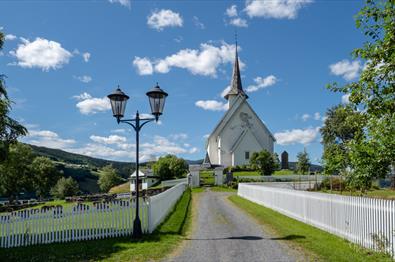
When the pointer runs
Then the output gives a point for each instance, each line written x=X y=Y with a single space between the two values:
x=62 y=58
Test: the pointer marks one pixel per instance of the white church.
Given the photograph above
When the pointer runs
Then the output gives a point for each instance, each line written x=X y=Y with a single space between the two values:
x=240 y=132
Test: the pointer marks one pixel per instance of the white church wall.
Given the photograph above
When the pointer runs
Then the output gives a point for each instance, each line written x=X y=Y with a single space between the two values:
x=222 y=141
x=248 y=144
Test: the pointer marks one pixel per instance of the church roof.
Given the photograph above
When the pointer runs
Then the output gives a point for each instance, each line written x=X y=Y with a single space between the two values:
x=235 y=85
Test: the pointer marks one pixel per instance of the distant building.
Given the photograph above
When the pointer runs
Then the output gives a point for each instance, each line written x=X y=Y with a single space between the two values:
x=240 y=132
x=146 y=180
x=284 y=160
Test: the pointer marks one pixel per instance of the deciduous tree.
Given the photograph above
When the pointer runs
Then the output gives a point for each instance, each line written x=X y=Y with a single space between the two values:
x=170 y=166
x=108 y=178
x=44 y=174
x=265 y=162
x=65 y=187
x=374 y=92
x=10 y=129
x=15 y=171
x=303 y=164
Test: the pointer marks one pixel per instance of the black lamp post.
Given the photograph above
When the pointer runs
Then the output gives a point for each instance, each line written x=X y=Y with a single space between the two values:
x=118 y=100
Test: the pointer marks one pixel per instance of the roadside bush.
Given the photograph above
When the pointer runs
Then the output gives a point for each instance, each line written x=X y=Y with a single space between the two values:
x=337 y=184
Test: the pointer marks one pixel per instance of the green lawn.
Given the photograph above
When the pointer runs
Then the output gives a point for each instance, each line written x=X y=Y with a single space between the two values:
x=246 y=173
x=318 y=244
x=150 y=248
x=207 y=177
x=222 y=189
x=375 y=193
x=284 y=172
x=122 y=188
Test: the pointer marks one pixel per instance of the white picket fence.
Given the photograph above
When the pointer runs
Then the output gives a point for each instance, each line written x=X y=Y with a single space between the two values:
x=161 y=204
x=366 y=221
x=85 y=221
x=173 y=182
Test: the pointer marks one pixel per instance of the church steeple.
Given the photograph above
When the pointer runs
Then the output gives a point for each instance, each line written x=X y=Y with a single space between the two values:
x=236 y=87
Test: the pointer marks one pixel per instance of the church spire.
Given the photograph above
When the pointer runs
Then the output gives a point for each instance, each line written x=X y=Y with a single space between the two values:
x=235 y=85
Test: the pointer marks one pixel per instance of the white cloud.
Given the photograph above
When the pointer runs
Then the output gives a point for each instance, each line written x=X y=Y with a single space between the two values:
x=48 y=139
x=91 y=105
x=305 y=117
x=180 y=136
x=239 y=22
x=231 y=11
x=199 y=62
x=125 y=3
x=164 y=18
x=346 y=99
x=198 y=23
x=82 y=96
x=294 y=136
x=349 y=70
x=86 y=56
x=225 y=91
x=119 y=130
x=143 y=65
x=317 y=116
x=278 y=9
x=235 y=20
x=84 y=78
x=10 y=37
x=41 y=53
x=112 y=139
x=212 y=105
x=261 y=83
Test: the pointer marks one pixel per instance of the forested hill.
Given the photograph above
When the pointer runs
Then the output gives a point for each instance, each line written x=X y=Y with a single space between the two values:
x=85 y=169
x=57 y=155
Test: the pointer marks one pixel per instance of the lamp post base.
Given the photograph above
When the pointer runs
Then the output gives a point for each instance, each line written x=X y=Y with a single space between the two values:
x=137 y=232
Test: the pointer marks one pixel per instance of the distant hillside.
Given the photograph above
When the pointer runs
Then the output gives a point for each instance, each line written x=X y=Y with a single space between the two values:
x=124 y=168
x=313 y=167
x=85 y=169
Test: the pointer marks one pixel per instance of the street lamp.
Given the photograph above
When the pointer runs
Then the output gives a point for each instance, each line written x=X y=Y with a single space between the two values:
x=118 y=99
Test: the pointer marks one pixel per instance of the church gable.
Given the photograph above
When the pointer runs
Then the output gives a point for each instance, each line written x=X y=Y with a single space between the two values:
x=242 y=119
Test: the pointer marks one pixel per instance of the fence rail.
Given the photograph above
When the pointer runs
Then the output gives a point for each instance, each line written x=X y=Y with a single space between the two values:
x=366 y=221
x=162 y=204
x=173 y=182
x=85 y=221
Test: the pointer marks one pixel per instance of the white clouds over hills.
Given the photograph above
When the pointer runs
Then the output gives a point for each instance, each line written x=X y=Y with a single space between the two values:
x=297 y=136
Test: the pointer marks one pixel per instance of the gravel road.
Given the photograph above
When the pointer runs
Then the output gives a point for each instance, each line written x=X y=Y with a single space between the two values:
x=222 y=232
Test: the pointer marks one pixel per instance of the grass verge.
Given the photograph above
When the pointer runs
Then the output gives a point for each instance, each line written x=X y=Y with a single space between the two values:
x=150 y=248
x=318 y=243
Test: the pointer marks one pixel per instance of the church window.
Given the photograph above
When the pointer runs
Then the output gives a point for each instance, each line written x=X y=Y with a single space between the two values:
x=247 y=155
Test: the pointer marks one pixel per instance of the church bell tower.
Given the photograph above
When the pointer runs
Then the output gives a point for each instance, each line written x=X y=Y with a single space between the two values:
x=236 y=87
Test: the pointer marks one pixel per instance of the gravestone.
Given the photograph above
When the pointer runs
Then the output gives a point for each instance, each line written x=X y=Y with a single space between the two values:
x=284 y=160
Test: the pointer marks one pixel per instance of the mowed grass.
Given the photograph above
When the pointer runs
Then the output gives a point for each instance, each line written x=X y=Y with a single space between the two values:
x=152 y=247
x=246 y=173
x=318 y=244
x=375 y=193
x=122 y=188
x=207 y=177
x=223 y=189
x=257 y=173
